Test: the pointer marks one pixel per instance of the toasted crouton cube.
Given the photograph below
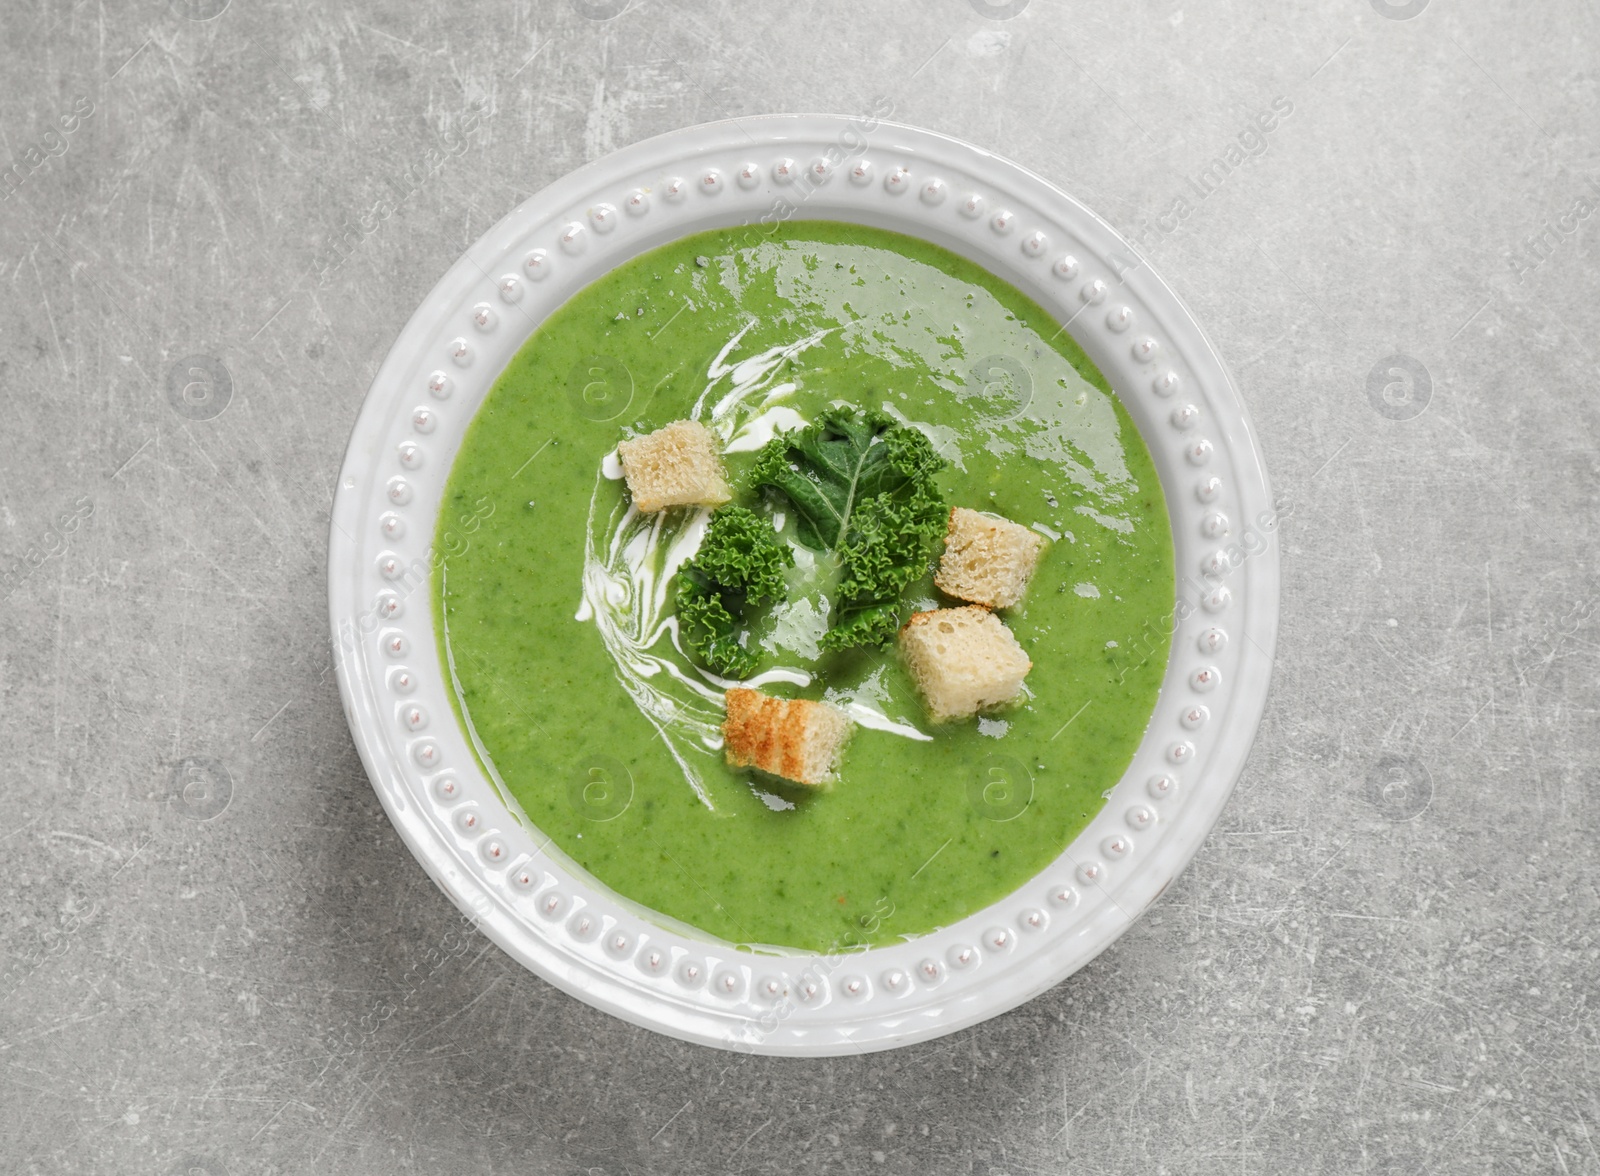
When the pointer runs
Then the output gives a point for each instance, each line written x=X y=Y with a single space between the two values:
x=794 y=739
x=677 y=465
x=987 y=559
x=963 y=660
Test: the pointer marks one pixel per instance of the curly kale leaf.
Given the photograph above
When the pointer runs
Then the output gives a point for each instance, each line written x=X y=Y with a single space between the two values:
x=861 y=485
x=887 y=548
x=740 y=565
x=840 y=460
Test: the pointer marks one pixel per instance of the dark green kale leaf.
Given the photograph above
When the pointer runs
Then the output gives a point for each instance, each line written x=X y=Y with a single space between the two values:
x=863 y=486
x=887 y=548
x=740 y=565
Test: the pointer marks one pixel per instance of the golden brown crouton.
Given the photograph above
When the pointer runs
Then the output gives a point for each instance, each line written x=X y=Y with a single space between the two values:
x=987 y=559
x=963 y=660
x=795 y=739
x=677 y=465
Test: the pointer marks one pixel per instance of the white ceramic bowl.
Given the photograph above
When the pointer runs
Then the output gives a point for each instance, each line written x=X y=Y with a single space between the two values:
x=560 y=922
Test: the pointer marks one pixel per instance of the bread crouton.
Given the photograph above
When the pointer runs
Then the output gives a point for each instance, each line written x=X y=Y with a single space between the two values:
x=963 y=660
x=987 y=560
x=677 y=465
x=794 y=739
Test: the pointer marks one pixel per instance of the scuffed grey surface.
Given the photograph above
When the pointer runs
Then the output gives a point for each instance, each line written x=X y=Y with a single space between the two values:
x=1340 y=983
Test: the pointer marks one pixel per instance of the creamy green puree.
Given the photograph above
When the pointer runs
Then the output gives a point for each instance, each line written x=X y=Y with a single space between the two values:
x=555 y=599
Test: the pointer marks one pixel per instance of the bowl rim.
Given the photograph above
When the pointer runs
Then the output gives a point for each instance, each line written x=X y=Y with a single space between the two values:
x=1093 y=894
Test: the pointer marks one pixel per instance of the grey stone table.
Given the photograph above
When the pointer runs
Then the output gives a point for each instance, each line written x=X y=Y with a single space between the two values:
x=217 y=955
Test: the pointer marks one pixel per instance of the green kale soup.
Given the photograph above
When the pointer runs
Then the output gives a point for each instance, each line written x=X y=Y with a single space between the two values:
x=555 y=598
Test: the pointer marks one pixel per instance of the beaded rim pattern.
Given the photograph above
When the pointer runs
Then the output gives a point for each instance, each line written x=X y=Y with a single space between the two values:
x=536 y=904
